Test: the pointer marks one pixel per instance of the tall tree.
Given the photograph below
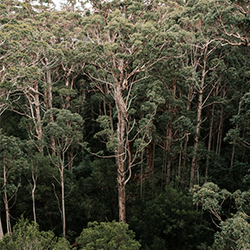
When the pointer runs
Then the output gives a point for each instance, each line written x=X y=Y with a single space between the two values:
x=11 y=164
x=66 y=130
x=203 y=62
x=233 y=22
x=128 y=38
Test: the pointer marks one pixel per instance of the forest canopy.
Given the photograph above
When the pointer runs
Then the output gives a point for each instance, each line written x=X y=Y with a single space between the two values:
x=114 y=111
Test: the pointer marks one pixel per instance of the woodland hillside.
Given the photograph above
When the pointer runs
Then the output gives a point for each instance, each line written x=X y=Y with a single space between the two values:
x=127 y=118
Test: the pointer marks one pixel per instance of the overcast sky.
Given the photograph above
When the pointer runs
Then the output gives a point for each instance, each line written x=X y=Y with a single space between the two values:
x=58 y=3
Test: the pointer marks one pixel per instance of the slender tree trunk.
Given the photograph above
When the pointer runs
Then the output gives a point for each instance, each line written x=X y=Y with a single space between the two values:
x=48 y=90
x=179 y=167
x=63 y=200
x=5 y=199
x=1 y=228
x=49 y=98
x=68 y=98
x=219 y=135
x=33 y=192
x=170 y=138
x=185 y=159
x=196 y=139
x=194 y=165
x=120 y=152
x=68 y=72
x=209 y=141
x=221 y=131
x=38 y=119
x=164 y=169
x=169 y=148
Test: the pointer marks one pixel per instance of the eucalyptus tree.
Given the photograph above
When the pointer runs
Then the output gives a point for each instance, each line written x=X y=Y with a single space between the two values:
x=11 y=164
x=13 y=40
x=14 y=34
x=20 y=74
x=205 y=59
x=66 y=131
x=27 y=235
x=107 y=235
x=60 y=57
x=50 y=35
x=234 y=227
x=233 y=22
x=124 y=40
x=241 y=131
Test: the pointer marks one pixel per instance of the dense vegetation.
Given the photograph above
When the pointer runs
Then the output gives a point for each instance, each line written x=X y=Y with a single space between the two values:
x=114 y=113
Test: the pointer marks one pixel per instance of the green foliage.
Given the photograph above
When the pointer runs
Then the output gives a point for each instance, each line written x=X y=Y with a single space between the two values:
x=107 y=133
x=27 y=236
x=234 y=234
x=107 y=235
x=98 y=188
x=234 y=229
x=210 y=196
x=72 y=60
x=12 y=163
x=241 y=132
x=170 y=222
x=66 y=126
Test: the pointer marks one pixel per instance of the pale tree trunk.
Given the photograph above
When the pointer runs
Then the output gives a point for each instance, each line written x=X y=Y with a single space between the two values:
x=120 y=152
x=34 y=178
x=169 y=148
x=48 y=101
x=179 y=167
x=1 y=228
x=32 y=95
x=61 y=206
x=170 y=137
x=194 y=168
x=38 y=118
x=68 y=98
x=206 y=52
x=209 y=141
x=121 y=75
x=194 y=164
x=185 y=158
x=164 y=168
x=68 y=72
x=6 y=202
x=219 y=135
x=63 y=200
